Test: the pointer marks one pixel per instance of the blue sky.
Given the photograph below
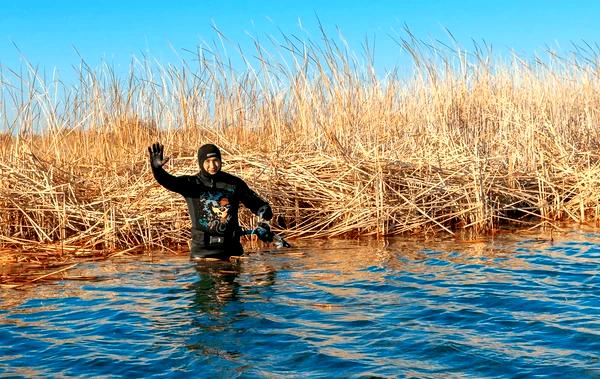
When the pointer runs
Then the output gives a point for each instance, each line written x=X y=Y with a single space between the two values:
x=51 y=34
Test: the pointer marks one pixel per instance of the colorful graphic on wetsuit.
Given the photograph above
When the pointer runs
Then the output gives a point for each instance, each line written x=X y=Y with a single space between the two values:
x=212 y=213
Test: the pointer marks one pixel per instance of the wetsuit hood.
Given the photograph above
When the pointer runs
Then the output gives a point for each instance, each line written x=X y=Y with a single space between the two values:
x=207 y=151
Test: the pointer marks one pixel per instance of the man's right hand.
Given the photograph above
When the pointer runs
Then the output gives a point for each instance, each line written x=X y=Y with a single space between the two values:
x=156 y=155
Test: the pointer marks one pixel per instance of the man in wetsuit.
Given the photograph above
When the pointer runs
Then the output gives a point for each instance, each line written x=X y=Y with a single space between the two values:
x=213 y=198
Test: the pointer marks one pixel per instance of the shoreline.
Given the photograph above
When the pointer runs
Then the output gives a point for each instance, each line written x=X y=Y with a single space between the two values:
x=465 y=143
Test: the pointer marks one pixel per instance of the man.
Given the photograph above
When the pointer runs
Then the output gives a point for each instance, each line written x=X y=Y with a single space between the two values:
x=213 y=198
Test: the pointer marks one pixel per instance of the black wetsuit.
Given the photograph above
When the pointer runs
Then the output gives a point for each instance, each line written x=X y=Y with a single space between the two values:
x=213 y=202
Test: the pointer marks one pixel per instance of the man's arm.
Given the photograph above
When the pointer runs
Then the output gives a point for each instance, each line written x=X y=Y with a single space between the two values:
x=170 y=182
x=255 y=203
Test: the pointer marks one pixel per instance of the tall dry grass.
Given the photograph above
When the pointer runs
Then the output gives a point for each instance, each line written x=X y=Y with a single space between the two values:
x=467 y=142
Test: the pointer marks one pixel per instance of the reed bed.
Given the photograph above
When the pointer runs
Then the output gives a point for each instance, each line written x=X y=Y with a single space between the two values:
x=466 y=142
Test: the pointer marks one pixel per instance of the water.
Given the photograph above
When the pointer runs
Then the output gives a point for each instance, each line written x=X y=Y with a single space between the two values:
x=512 y=306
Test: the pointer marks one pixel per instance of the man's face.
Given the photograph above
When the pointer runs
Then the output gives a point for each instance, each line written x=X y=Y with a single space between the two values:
x=212 y=165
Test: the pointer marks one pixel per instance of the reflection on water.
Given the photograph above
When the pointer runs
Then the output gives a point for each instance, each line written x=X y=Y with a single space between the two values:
x=216 y=285
x=514 y=305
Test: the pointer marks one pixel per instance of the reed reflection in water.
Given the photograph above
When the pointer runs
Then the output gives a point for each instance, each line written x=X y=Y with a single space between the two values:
x=514 y=305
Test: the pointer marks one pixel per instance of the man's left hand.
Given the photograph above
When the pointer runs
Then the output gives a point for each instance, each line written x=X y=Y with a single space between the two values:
x=265 y=212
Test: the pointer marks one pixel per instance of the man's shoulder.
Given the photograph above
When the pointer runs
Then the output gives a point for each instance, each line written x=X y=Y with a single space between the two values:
x=189 y=178
x=230 y=182
x=230 y=178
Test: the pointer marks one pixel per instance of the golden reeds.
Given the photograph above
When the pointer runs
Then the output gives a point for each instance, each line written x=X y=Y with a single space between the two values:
x=462 y=144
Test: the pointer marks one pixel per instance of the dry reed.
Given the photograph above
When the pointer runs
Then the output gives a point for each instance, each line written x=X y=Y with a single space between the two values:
x=465 y=143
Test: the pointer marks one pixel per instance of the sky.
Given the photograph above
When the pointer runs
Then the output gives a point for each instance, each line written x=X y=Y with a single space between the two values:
x=56 y=35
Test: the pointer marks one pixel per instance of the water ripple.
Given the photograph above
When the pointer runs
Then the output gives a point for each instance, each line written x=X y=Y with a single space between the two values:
x=512 y=307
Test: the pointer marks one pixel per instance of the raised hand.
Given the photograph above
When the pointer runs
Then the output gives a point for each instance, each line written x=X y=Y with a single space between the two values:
x=156 y=155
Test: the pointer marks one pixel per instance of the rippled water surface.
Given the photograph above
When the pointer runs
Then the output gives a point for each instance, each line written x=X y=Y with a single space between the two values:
x=512 y=306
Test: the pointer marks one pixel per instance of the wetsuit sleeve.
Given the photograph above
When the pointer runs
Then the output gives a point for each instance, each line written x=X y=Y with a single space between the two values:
x=179 y=184
x=252 y=201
